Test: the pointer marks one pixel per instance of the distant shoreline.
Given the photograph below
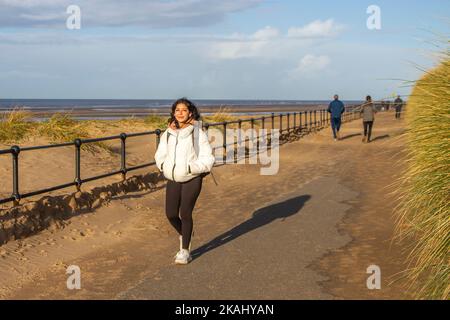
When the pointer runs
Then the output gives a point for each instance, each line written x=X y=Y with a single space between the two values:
x=120 y=112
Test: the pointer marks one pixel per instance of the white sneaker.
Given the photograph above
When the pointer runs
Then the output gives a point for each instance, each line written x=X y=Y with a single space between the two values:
x=181 y=247
x=183 y=257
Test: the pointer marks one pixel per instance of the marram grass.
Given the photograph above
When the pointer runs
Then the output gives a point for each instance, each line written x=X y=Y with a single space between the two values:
x=15 y=125
x=156 y=121
x=424 y=210
x=223 y=114
x=62 y=128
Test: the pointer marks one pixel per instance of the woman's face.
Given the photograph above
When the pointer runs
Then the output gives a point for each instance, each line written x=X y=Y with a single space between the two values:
x=182 y=113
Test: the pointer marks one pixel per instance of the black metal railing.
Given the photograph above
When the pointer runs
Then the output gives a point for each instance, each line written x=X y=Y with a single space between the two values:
x=299 y=120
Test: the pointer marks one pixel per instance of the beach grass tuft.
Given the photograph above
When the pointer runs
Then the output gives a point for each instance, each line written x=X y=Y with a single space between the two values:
x=156 y=121
x=223 y=114
x=62 y=128
x=15 y=125
x=424 y=193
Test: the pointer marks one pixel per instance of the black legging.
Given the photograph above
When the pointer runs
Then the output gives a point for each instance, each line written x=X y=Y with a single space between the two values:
x=368 y=129
x=180 y=202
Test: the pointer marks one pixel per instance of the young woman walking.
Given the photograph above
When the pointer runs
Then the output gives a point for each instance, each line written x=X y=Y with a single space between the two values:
x=368 y=115
x=184 y=155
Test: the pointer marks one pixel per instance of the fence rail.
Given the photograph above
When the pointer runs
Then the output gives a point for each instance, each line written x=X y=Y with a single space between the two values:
x=306 y=121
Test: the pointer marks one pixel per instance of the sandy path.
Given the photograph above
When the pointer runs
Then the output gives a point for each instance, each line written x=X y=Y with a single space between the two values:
x=266 y=234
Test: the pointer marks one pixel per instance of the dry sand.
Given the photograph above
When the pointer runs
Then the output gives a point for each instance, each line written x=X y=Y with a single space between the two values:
x=308 y=232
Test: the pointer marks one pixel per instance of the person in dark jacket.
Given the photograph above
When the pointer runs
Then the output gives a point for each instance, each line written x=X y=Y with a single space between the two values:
x=368 y=111
x=398 y=104
x=336 y=108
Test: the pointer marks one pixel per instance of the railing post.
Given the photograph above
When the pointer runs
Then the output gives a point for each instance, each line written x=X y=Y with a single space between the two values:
x=224 y=142
x=78 y=143
x=252 y=121
x=315 y=119
x=158 y=137
x=15 y=163
x=295 y=121
x=239 y=142
x=123 y=165
x=262 y=125
x=300 y=120
x=310 y=120
x=306 y=120
x=288 y=123
x=273 y=128
x=281 y=123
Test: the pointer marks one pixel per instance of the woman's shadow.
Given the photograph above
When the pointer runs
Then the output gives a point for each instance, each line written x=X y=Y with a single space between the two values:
x=259 y=218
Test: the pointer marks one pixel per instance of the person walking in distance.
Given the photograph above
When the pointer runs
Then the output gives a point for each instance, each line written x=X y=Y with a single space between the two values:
x=398 y=104
x=368 y=115
x=184 y=155
x=336 y=108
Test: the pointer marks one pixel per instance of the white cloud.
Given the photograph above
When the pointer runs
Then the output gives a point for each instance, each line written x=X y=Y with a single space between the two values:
x=269 y=42
x=316 y=29
x=241 y=46
x=310 y=64
x=156 y=13
x=267 y=33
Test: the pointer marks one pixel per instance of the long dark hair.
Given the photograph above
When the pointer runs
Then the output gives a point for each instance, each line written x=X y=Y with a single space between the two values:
x=191 y=107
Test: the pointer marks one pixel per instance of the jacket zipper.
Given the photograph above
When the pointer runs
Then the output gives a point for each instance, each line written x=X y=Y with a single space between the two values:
x=174 y=158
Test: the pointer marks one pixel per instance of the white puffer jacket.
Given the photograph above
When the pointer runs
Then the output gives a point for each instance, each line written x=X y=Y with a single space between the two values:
x=176 y=156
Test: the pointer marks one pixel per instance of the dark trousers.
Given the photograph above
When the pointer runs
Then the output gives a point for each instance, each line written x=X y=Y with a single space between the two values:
x=367 y=129
x=335 y=125
x=180 y=202
x=398 y=112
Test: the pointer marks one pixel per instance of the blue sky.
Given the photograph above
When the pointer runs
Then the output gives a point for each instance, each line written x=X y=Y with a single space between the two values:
x=215 y=49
